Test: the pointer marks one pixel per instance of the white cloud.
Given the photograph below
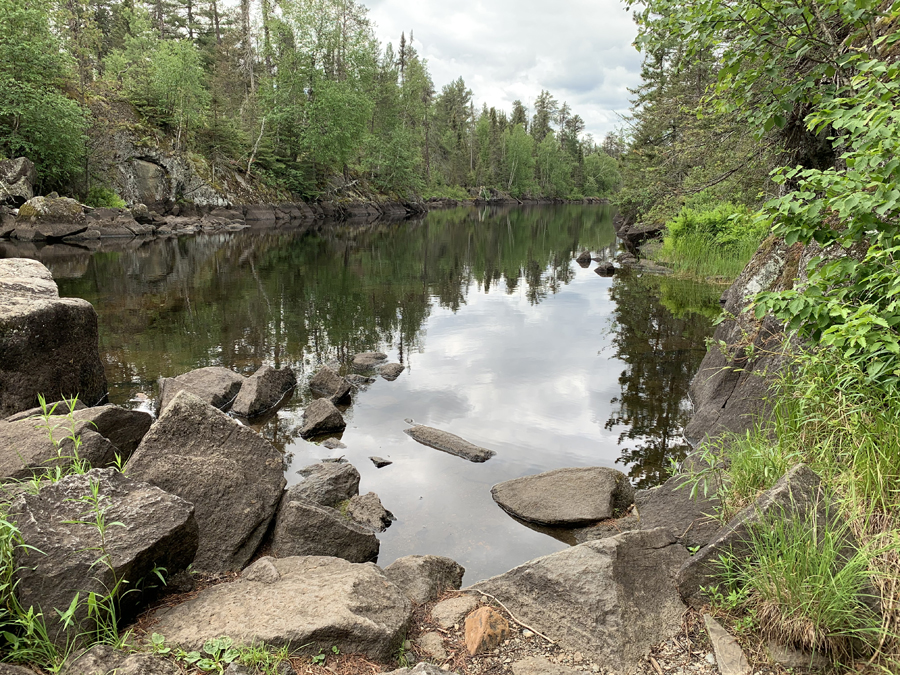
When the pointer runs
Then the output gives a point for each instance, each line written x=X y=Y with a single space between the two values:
x=579 y=50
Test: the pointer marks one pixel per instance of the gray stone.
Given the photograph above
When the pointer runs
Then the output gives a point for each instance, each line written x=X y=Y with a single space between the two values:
x=328 y=383
x=368 y=360
x=305 y=528
x=316 y=601
x=729 y=656
x=380 y=462
x=605 y=269
x=263 y=390
x=368 y=510
x=794 y=658
x=358 y=381
x=326 y=483
x=537 y=665
x=433 y=645
x=692 y=521
x=105 y=660
x=54 y=408
x=214 y=385
x=797 y=494
x=422 y=668
x=321 y=417
x=566 y=497
x=424 y=578
x=17 y=178
x=450 y=612
x=584 y=258
x=605 y=528
x=449 y=443
x=333 y=444
x=51 y=217
x=232 y=475
x=10 y=669
x=48 y=345
x=63 y=543
x=610 y=599
x=391 y=371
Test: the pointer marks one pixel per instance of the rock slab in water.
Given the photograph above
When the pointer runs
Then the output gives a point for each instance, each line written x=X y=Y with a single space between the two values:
x=232 y=475
x=611 y=599
x=303 y=528
x=58 y=527
x=368 y=510
x=380 y=462
x=214 y=385
x=326 y=483
x=321 y=417
x=104 y=660
x=326 y=382
x=316 y=601
x=48 y=345
x=424 y=578
x=449 y=443
x=485 y=629
x=368 y=360
x=391 y=371
x=691 y=520
x=566 y=497
x=263 y=390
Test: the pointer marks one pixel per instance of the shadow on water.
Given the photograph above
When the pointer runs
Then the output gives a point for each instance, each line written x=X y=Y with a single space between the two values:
x=507 y=343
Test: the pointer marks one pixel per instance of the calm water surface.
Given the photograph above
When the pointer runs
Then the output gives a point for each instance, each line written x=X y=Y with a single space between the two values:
x=507 y=342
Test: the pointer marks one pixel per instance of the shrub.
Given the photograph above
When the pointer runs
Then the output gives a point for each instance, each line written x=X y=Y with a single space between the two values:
x=102 y=197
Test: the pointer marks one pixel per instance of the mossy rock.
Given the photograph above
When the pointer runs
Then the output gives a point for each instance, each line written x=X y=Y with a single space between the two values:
x=51 y=209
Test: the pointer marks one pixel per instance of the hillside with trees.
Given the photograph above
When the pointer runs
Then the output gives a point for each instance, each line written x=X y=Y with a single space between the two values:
x=292 y=93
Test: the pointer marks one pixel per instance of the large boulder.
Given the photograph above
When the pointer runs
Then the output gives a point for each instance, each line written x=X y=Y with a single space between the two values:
x=425 y=577
x=50 y=218
x=305 y=528
x=328 y=383
x=321 y=417
x=95 y=533
x=566 y=497
x=326 y=483
x=449 y=443
x=232 y=476
x=215 y=385
x=610 y=599
x=48 y=345
x=263 y=390
x=104 y=660
x=312 y=602
x=17 y=178
x=34 y=445
x=691 y=520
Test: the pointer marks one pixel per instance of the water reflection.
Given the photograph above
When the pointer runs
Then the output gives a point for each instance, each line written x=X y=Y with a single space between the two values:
x=507 y=342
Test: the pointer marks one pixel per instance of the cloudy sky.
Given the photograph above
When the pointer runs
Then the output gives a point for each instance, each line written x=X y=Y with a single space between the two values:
x=579 y=50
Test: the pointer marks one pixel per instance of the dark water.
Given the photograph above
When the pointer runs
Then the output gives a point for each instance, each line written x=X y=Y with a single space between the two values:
x=507 y=341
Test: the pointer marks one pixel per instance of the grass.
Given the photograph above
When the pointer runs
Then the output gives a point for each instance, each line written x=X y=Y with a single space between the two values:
x=696 y=255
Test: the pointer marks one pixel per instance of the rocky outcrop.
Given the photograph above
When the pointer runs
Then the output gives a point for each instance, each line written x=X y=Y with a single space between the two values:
x=449 y=443
x=566 y=497
x=17 y=178
x=232 y=476
x=67 y=551
x=635 y=234
x=321 y=417
x=305 y=528
x=611 y=599
x=328 y=383
x=263 y=390
x=424 y=578
x=48 y=345
x=214 y=385
x=326 y=483
x=304 y=601
x=691 y=520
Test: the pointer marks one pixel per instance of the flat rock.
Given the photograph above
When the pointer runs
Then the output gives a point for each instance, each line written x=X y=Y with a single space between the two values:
x=103 y=660
x=368 y=360
x=368 y=510
x=391 y=371
x=214 y=385
x=328 y=383
x=232 y=475
x=485 y=629
x=315 y=601
x=610 y=599
x=321 y=417
x=48 y=345
x=691 y=520
x=449 y=443
x=536 y=665
x=62 y=541
x=566 y=497
x=450 y=612
x=326 y=483
x=263 y=390
x=606 y=528
x=729 y=656
x=303 y=528
x=424 y=578
x=433 y=645
x=380 y=462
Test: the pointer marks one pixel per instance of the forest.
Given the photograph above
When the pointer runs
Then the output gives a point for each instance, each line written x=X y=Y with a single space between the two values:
x=293 y=91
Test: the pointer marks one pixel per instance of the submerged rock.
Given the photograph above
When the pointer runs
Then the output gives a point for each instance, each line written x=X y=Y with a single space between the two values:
x=368 y=360
x=380 y=462
x=321 y=417
x=326 y=382
x=391 y=371
x=449 y=443
x=566 y=497
x=584 y=258
x=214 y=385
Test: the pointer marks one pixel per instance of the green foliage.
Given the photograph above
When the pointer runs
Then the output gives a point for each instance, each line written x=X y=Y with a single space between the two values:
x=103 y=197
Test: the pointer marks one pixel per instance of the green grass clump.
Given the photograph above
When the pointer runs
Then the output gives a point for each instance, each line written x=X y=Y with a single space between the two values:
x=102 y=197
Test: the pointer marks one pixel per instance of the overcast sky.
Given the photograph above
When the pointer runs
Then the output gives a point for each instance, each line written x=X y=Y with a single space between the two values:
x=579 y=50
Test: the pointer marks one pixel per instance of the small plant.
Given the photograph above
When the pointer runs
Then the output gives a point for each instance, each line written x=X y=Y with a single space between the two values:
x=103 y=197
x=319 y=659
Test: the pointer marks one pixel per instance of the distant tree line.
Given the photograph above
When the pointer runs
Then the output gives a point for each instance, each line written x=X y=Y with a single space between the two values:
x=294 y=91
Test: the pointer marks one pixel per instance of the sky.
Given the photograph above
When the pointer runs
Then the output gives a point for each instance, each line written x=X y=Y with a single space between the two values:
x=579 y=50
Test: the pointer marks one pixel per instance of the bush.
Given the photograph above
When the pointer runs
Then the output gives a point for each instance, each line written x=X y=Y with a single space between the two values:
x=102 y=197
